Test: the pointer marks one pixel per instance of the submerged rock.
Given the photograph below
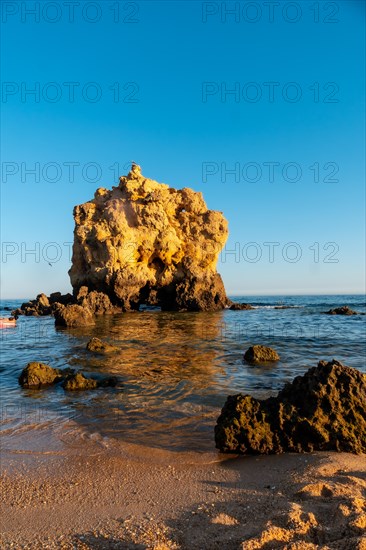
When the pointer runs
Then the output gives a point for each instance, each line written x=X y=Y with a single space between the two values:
x=146 y=243
x=323 y=410
x=35 y=375
x=344 y=310
x=235 y=306
x=78 y=382
x=73 y=316
x=260 y=354
x=98 y=346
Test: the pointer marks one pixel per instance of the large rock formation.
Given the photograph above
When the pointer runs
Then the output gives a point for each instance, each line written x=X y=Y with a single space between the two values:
x=323 y=410
x=146 y=243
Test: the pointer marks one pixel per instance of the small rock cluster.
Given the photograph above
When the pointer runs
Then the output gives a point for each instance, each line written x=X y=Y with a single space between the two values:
x=43 y=305
x=344 y=310
x=324 y=410
x=39 y=375
x=70 y=311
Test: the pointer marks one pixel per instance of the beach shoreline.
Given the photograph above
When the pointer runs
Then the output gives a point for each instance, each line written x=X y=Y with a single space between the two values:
x=138 y=497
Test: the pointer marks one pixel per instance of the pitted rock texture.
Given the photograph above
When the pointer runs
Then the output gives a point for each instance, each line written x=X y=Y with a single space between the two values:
x=146 y=243
x=73 y=316
x=260 y=354
x=324 y=410
x=78 y=382
x=36 y=375
x=98 y=346
x=43 y=305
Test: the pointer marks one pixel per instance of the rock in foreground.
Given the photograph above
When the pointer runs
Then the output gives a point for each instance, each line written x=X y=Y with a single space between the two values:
x=36 y=375
x=260 y=354
x=324 y=410
x=144 y=242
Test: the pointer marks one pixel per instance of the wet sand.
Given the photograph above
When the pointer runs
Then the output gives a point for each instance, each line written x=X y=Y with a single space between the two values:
x=131 y=497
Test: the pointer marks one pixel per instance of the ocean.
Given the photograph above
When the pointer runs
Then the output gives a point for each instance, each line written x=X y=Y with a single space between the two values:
x=174 y=370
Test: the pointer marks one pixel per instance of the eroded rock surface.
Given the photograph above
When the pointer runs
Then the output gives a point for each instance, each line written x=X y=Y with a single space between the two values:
x=323 y=410
x=144 y=242
x=36 y=375
x=261 y=354
x=73 y=316
x=78 y=382
x=99 y=346
x=43 y=305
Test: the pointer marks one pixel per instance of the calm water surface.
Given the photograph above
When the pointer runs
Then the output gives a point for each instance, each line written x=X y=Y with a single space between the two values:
x=174 y=370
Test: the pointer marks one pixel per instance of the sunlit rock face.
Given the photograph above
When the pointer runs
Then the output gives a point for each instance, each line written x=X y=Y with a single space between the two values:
x=144 y=242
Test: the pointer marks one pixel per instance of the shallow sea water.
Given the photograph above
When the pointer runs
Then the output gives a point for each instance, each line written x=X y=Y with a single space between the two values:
x=174 y=370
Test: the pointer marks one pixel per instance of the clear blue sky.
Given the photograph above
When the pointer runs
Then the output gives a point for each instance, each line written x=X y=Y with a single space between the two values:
x=172 y=62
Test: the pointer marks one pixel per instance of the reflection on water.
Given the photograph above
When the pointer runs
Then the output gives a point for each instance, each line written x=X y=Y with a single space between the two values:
x=174 y=370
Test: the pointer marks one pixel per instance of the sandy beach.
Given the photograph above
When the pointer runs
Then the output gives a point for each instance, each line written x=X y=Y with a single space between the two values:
x=132 y=497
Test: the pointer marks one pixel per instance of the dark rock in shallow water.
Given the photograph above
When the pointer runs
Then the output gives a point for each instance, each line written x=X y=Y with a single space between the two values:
x=73 y=316
x=35 y=375
x=324 y=410
x=108 y=382
x=43 y=305
x=79 y=382
x=344 y=310
x=260 y=354
x=235 y=306
x=98 y=346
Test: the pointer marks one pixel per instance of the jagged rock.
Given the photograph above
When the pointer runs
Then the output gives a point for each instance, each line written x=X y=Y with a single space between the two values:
x=344 y=310
x=43 y=305
x=146 y=243
x=73 y=316
x=35 y=375
x=58 y=298
x=323 y=410
x=78 y=382
x=260 y=354
x=98 y=346
x=97 y=302
x=235 y=306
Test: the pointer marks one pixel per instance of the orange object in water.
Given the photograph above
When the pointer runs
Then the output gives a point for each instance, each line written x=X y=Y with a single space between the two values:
x=4 y=323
